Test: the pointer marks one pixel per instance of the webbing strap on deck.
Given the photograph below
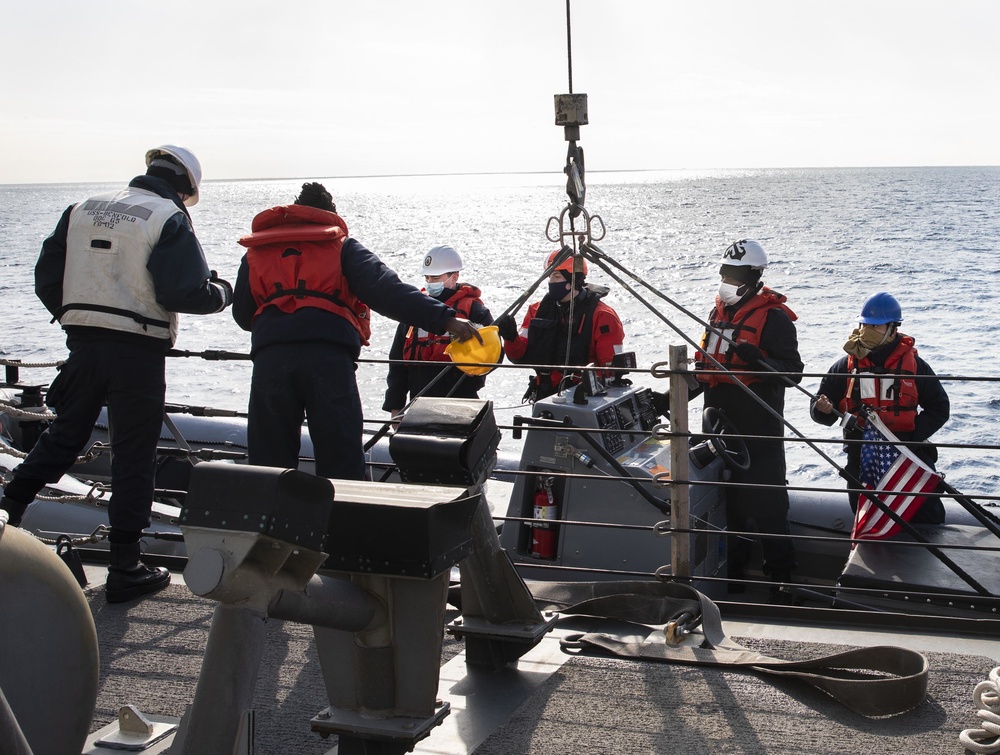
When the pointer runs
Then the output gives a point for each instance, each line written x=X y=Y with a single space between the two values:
x=656 y=621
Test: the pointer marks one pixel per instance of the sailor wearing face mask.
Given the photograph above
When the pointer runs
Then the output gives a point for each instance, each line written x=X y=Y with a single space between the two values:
x=548 y=337
x=874 y=373
x=759 y=330
x=440 y=269
x=743 y=315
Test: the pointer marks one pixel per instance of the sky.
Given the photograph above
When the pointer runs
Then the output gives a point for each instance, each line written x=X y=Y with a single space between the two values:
x=315 y=88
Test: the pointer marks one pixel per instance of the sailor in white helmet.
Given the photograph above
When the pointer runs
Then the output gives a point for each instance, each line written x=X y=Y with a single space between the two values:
x=440 y=269
x=115 y=272
x=759 y=330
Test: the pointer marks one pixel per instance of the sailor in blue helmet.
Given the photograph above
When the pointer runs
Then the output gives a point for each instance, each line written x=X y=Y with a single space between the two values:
x=115 y=272
x=875 y=374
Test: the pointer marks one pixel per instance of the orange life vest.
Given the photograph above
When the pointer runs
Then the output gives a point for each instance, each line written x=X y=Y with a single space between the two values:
x=894 y=397
x=294 y=259
x=421 y=346
x=746 y=327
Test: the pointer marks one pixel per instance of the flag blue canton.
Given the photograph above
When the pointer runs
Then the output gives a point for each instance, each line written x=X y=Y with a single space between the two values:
x=876 y=459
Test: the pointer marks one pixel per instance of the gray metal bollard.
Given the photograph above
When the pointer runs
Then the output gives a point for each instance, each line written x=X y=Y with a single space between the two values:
x=251 y=532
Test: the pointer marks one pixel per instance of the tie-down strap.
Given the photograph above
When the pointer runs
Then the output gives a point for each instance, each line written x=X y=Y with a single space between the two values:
x=660 y=619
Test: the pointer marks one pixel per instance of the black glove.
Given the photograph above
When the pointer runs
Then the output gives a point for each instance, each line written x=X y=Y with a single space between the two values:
x=747 y=352
x=225 y=286
x=506 y=327
x=661 y=403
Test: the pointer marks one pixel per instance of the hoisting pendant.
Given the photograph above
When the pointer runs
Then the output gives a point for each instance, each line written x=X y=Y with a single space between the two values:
x=571 y=113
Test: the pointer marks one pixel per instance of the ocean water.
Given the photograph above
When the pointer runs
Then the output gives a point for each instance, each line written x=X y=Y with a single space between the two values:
x=834 y=236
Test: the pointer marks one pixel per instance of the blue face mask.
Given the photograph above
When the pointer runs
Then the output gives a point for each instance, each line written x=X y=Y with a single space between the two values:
x=558 y=290
x=436 y=288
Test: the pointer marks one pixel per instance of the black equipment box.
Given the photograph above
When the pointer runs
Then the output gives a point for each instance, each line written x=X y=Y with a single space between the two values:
x=399 y=530
x=445 y=441
x=286 y=504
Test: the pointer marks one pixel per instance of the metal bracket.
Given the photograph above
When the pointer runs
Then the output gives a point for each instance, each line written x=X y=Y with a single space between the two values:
x=405 y=730
x=490 y=645
x=136 y=731
x=467 y=626
x=561 y=447
x=587 y=234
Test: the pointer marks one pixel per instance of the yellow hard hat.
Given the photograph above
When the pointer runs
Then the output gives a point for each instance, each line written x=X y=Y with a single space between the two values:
x=467 y=355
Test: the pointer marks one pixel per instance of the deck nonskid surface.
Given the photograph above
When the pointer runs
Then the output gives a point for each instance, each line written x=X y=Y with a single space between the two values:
x=151 y=655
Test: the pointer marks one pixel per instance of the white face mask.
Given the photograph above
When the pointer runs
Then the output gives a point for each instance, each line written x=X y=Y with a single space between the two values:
x=729 y=293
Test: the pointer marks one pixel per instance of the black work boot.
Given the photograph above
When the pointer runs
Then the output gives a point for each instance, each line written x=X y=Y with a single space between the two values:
x=14 y=509
x=129 y=578
x=736 y=588
x=777 y=595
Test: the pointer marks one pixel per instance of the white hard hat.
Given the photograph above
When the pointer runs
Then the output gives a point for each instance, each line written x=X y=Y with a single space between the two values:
x=745 y=253
x=187 y=159
x=440 y=260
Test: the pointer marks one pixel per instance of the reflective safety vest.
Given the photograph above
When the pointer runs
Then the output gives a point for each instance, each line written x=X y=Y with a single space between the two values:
x=885 y=389
x=294 y=260
x=745 y=327
x=421 y=346
x=108 y=244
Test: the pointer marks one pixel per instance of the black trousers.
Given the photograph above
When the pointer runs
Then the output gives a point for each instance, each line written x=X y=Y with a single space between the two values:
x=764 y=510
x=779 y=553
x=130 y=379
x=313 y=381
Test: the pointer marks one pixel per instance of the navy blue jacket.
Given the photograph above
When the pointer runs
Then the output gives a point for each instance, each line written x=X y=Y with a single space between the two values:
x=370 y=280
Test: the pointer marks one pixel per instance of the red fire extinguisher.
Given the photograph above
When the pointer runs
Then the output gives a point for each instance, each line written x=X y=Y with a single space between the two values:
x=543 y=534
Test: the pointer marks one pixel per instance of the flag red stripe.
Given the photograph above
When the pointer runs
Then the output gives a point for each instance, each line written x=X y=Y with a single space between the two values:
x=903 y=475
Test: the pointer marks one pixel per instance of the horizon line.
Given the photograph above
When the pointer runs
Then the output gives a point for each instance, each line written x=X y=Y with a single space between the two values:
x=516 y=173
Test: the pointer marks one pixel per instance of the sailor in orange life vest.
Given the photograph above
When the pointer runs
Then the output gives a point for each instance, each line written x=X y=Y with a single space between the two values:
x=912 y=409
x=440 y=269
x=303 y=290
x=596 y=332
x=762 y=328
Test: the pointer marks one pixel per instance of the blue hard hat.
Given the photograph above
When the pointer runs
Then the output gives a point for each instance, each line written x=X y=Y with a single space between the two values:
x=880 y=308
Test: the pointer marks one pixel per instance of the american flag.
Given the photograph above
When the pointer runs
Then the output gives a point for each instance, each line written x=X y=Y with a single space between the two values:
x=894 y=469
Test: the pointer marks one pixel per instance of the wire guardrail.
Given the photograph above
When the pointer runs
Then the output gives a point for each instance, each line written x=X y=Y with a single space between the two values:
x=843 y=541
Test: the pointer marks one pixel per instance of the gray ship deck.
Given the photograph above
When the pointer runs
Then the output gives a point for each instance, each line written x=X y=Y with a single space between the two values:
x=554 y=703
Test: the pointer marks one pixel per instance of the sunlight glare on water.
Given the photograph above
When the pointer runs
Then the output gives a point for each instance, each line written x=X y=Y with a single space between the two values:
x=834 y=236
